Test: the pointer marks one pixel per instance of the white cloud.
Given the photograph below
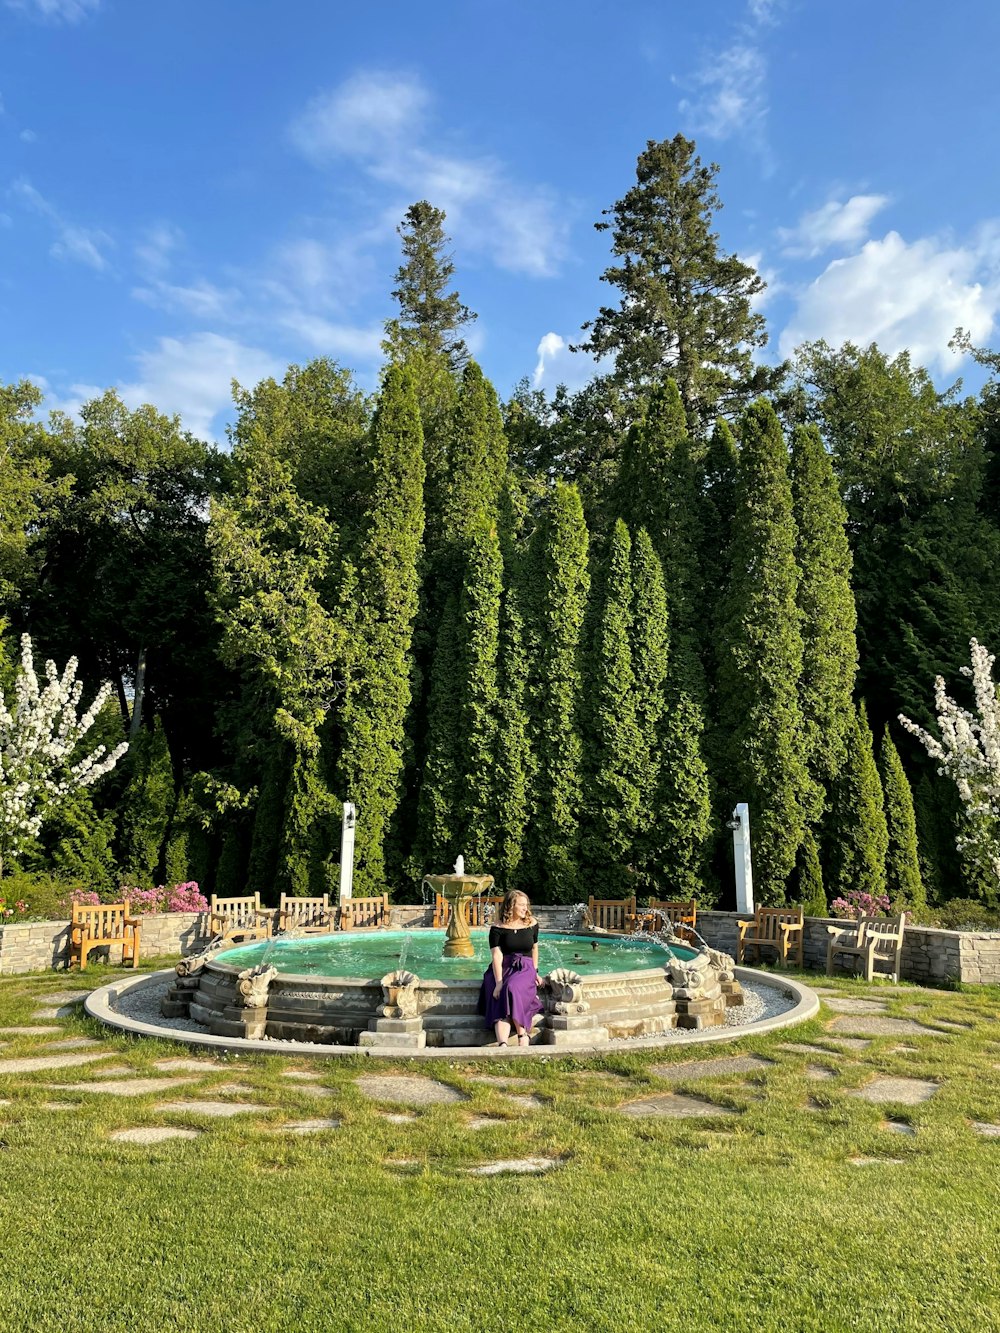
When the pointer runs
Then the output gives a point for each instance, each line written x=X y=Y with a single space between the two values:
x=733 y=97
x=558 y=365
x=835 y=224
x=381 y=120
x=156 y=250
x=56 y=11
x=69 y=400
x=28 y=136
x=201 y=299
x=72 y=242
x=368 y=114
x=904 y=295
x=192 y=377
x=328 y=338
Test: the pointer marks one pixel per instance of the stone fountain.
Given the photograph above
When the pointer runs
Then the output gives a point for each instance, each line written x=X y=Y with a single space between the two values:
x=458 y=889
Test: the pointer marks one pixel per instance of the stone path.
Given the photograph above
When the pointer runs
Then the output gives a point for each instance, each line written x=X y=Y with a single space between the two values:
x=907 y=1091
x=854 y=1006
x=29 y=1064
x=521 y=1166
x=126 y=1087
x=410 y=1090
x=873 y=1026
x=308 y=1126
x=671 y=1105
x=725 y=1064
x=987 y=1131
x=218 y=1109
x=153 y=1134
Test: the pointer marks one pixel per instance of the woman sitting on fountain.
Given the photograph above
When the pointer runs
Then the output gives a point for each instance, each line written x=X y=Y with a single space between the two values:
x=509 y=994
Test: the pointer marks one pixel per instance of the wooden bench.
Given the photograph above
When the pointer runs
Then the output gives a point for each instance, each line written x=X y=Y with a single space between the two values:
x=96 y=927
x=871 y=940
x=610 y=913
x=238 y=920
x=778 y=928
x=307 y=916
x=364 y=913
x=681 y=917
x=479 y=911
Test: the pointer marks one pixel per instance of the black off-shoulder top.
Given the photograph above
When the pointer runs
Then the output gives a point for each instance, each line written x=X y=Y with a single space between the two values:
x=508 y=940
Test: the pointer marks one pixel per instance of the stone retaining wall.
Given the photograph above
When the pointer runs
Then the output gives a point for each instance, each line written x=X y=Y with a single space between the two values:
x=928 y=955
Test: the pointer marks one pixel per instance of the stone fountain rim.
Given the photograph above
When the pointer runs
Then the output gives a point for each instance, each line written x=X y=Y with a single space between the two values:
x=99 y=1005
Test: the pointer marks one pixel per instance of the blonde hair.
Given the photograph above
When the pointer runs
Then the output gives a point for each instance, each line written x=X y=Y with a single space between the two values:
x=507 y=907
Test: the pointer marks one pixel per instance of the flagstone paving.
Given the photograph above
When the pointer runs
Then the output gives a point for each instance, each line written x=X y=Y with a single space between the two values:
x=854 y=1006
x=399 y=1117
x=523 y=1102
x=804 y=1048
x=908 y=1091
x=672 y=1105
x=522 y=1166
x=153 y=1134
x=130 y=1087
x=64 y=1011
x=484 y=1122
x=112 y=1071
x=818 y=1073
x=32 y=1030
x=872 y=1026
x=195 y=1066
x=898 y=1127
x=875 y=1161
x=725 y=1064
x=63 y=996
x=219 y=1109
x=308 y=1126
x=28 y=1064
x=850 y=1043
x=500 y=1081
x=987 y=1131
x=411 y=1090
x=72 y=1043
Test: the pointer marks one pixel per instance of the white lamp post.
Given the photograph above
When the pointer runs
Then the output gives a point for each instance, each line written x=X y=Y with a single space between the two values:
x=740 y=824
x=347 y=849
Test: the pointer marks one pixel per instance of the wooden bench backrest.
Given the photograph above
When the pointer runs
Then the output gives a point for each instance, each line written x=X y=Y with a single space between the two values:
x=678 y=914
x=101 y=921
x=364 y=913
x=611 y=913
x=887 y=930
x=304 y=911
x=768 y=919
x=478 y=911
x=236 y=910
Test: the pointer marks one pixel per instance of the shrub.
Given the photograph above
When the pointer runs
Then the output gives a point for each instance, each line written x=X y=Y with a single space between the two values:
x=966 y=914
x=856 y=903
x=180 y=898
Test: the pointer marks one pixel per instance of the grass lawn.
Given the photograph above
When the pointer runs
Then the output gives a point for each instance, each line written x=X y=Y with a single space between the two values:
x=807 y=1209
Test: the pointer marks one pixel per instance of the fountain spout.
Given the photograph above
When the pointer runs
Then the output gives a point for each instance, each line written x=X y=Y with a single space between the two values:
x=457 y=890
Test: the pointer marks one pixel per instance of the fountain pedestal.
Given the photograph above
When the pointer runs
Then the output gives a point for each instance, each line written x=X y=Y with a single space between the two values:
x=457 y=891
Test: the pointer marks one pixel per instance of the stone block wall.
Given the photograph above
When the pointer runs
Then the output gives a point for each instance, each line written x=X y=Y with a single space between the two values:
x=45 y=944
x=929 y=955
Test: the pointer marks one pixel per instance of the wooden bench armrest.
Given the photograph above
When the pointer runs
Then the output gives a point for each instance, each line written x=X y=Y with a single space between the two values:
x=841 y=930
x=743 y=926
x=132 y=920
x=786 y=927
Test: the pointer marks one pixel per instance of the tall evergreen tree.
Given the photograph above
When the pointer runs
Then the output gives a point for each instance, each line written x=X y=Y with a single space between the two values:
x=437 y=820
x=381 y=605
x=683 y=805
x=825 y=599
x=809 y=889
x=855 y=834
x=761 y=659
x=902 y=863
x=650 y=648
x=613 y=758
x=720 y=467
x=686 y=309
x=560 y=585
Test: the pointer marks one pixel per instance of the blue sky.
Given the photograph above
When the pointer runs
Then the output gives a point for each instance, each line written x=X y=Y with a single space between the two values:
x=194 y=190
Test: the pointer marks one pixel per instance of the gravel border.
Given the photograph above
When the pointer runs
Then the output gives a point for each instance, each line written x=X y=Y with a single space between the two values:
x=132 y=1005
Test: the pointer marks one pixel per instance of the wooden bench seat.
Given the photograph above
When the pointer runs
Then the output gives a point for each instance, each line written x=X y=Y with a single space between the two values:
x=306 y=916
x=778 y=928
x=681 y=917
x=612 y=914
x=239 y=920
x=871 y=940
x=364 y=913
x=482 y=911
x=101 y=926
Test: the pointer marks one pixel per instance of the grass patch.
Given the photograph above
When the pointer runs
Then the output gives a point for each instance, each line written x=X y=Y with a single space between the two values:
x=753 y=1220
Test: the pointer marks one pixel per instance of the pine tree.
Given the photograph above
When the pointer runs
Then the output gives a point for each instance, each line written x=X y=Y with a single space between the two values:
x=612 y=758
x=381 y=608
x=855 y=833
x=825 y=599
x=430 y=318
x=560 y=583
x=902 y=865
x=761 y=660
x=686 y=309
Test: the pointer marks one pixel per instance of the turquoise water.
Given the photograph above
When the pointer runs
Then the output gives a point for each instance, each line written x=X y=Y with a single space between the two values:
x=373 y=955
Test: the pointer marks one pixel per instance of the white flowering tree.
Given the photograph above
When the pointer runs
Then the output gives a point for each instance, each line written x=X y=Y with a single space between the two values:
x=968 y=752
x=41 y=762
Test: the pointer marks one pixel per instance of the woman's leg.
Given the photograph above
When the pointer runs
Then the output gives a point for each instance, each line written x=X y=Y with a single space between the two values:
x=502 y=1029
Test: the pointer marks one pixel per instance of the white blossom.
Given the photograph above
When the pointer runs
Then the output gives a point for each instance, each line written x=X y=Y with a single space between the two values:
x=968 y=752
x=39 y=735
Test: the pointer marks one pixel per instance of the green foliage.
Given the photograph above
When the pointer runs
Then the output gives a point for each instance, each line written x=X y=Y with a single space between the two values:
x=686 y=309
x=650 y=640
x=78 y=841
x=437 y=825
x=856 y=836
x=761 y=723
x=560 y=582
x=28 y=493
x=380 y=605
x=809 y=889
x=826 y=603
x=683 y=817
x=613 y=758
x=147 y=807
x=902 y=864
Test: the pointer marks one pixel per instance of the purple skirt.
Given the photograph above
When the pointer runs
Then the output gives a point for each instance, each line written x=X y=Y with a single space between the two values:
x=518 y=1002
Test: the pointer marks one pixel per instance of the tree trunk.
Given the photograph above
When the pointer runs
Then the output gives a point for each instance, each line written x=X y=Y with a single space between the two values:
x=140 y=687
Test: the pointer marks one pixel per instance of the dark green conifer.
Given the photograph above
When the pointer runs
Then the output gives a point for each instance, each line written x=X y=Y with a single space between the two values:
x=856 y=835
x=381 y=608
x=809 y=890
x=902 y=864
x=650 y=649
x=560 y=585
x=437 y=821
x=825 y=599
x=761 y=660
x=683 y=806
x=146 y=807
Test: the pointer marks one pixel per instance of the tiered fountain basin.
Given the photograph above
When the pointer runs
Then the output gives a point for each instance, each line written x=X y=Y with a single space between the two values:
x=394 y=990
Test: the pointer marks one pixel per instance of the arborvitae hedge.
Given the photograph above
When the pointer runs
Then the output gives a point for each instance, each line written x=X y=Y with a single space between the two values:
x=855 y=836
x=902 y=863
